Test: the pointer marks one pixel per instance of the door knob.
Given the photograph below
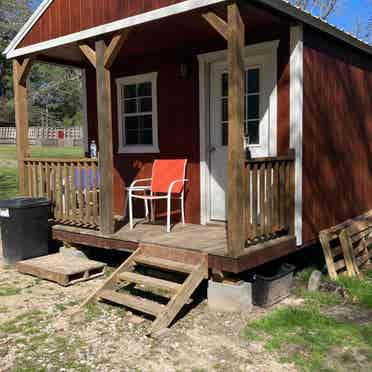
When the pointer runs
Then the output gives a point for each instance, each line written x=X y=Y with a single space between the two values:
x=212 y=148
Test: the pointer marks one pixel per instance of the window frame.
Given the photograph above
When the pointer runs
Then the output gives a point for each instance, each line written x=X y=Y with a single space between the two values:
x=124 y=148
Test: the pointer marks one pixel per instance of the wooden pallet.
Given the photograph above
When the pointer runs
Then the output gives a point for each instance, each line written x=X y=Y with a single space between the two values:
x=62 y=268
x=356 y=243
x=193 y=264
x=339 y=258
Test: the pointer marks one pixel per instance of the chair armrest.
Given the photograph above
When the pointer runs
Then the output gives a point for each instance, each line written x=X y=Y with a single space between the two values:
x=174 y=182
x=139 y=180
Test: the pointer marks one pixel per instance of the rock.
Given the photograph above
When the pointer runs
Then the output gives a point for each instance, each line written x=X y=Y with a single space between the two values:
x=61 y=324
x=314 y=281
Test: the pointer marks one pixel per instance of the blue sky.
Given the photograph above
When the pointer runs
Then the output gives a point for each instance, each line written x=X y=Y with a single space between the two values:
x=349 y=11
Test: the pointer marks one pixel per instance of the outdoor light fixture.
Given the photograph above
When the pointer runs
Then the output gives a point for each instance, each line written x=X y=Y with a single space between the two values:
x=186 y=70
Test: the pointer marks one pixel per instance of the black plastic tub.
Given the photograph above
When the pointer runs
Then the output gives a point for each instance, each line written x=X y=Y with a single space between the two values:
x=271 y=285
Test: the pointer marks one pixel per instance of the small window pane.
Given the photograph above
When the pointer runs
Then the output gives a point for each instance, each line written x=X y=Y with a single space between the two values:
x=225 y=84
x=253 y=132
x=224 y=134
x=147 y=122
x=253 y=83
x=146 y=138
x=253 y=107
x=130 y=91
x=224 y=109
x=131 y=123
x=145 y=104
x=130 y=106
x=132 y=138
x=144 y=89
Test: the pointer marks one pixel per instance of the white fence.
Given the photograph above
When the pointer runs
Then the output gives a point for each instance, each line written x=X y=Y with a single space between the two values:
x=45 y=136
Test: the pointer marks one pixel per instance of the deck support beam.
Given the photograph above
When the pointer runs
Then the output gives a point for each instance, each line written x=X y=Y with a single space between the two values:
x=102 y=59
x=105 y=141
x=233 y=32
x=20 y=73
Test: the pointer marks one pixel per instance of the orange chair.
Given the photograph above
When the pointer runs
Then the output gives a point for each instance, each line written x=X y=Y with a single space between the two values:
x=167 y=182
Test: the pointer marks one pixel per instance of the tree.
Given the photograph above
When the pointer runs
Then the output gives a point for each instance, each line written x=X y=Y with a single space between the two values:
x=321 y=8
x=55 y=91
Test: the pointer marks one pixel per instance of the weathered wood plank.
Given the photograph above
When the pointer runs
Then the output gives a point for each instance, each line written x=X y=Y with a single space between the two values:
x=89 y=53
x=114 y=47
x=104 y=107
x=21 y=118
x=217 y=23
x=236 y=155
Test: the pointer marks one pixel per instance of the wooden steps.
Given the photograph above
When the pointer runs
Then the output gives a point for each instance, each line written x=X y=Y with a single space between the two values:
x=149 y=281
x=134 y=302
x=165 y=264
x=192 y=265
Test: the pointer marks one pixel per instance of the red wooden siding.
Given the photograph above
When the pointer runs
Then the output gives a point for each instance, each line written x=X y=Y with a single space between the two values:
x=337 y=134
x=155 y=48
x=64 y=17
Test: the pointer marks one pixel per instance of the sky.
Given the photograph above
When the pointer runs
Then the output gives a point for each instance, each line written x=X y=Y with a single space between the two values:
x=348 y=13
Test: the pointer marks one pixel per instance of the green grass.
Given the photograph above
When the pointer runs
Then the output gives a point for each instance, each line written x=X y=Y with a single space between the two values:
x=307 y=338
x=315 y=341
x=359 y=290
x=8 y=164
x=8 y=183
x=318 y=298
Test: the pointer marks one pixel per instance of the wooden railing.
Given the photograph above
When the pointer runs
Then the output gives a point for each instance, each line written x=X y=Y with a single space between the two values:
x=72 y=186
x=270 y=198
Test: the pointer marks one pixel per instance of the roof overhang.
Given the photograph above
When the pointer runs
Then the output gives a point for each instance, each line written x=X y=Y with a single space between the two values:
x=280 y=5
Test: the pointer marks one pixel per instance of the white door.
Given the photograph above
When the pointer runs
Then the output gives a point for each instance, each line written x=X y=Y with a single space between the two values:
x=256 y=128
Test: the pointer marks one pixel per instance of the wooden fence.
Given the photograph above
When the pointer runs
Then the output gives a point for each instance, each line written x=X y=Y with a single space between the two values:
x=72 y=186
x=35 y=134
x=270 y=201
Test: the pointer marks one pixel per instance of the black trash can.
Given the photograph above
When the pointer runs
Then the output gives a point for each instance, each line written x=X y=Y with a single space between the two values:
x=24 y=228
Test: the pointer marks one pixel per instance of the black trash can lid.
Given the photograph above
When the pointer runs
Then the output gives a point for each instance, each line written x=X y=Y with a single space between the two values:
x=22 y=202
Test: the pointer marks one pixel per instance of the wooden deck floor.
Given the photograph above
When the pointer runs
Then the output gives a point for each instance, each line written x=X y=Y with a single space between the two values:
x=209 y=239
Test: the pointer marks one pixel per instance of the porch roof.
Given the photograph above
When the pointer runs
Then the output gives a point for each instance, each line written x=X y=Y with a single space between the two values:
x=282 y=6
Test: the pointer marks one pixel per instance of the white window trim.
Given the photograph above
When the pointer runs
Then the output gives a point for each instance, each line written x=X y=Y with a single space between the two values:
x=136 y=149
x=269 y=50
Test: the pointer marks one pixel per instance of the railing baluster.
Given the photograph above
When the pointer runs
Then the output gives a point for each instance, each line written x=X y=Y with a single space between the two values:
x=94 y=194
x=282 y=194
x=80 y=194
x=73 y=196
x=262 y=198
x=267 y=198
x=254 y=200
x=66 y=191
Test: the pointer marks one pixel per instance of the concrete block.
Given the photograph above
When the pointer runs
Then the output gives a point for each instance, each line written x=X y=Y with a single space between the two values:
x=230 y=297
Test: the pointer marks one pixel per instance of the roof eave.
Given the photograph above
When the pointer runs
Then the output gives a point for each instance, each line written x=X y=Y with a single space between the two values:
x=279 y=5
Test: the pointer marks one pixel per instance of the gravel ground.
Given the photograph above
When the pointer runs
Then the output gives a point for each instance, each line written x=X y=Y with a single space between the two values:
x=36 y=335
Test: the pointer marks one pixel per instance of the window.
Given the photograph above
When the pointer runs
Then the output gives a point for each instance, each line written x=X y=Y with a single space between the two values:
x=137 y=113
x=251 y=100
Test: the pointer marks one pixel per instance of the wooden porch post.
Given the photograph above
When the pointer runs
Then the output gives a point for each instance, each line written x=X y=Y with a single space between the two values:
x=105 y=141
x=20 y=72
x=233 y=32
x=102 y=59
x=236 y=155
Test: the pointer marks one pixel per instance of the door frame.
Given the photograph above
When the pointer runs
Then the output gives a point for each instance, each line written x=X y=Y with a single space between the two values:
x=268 y=52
